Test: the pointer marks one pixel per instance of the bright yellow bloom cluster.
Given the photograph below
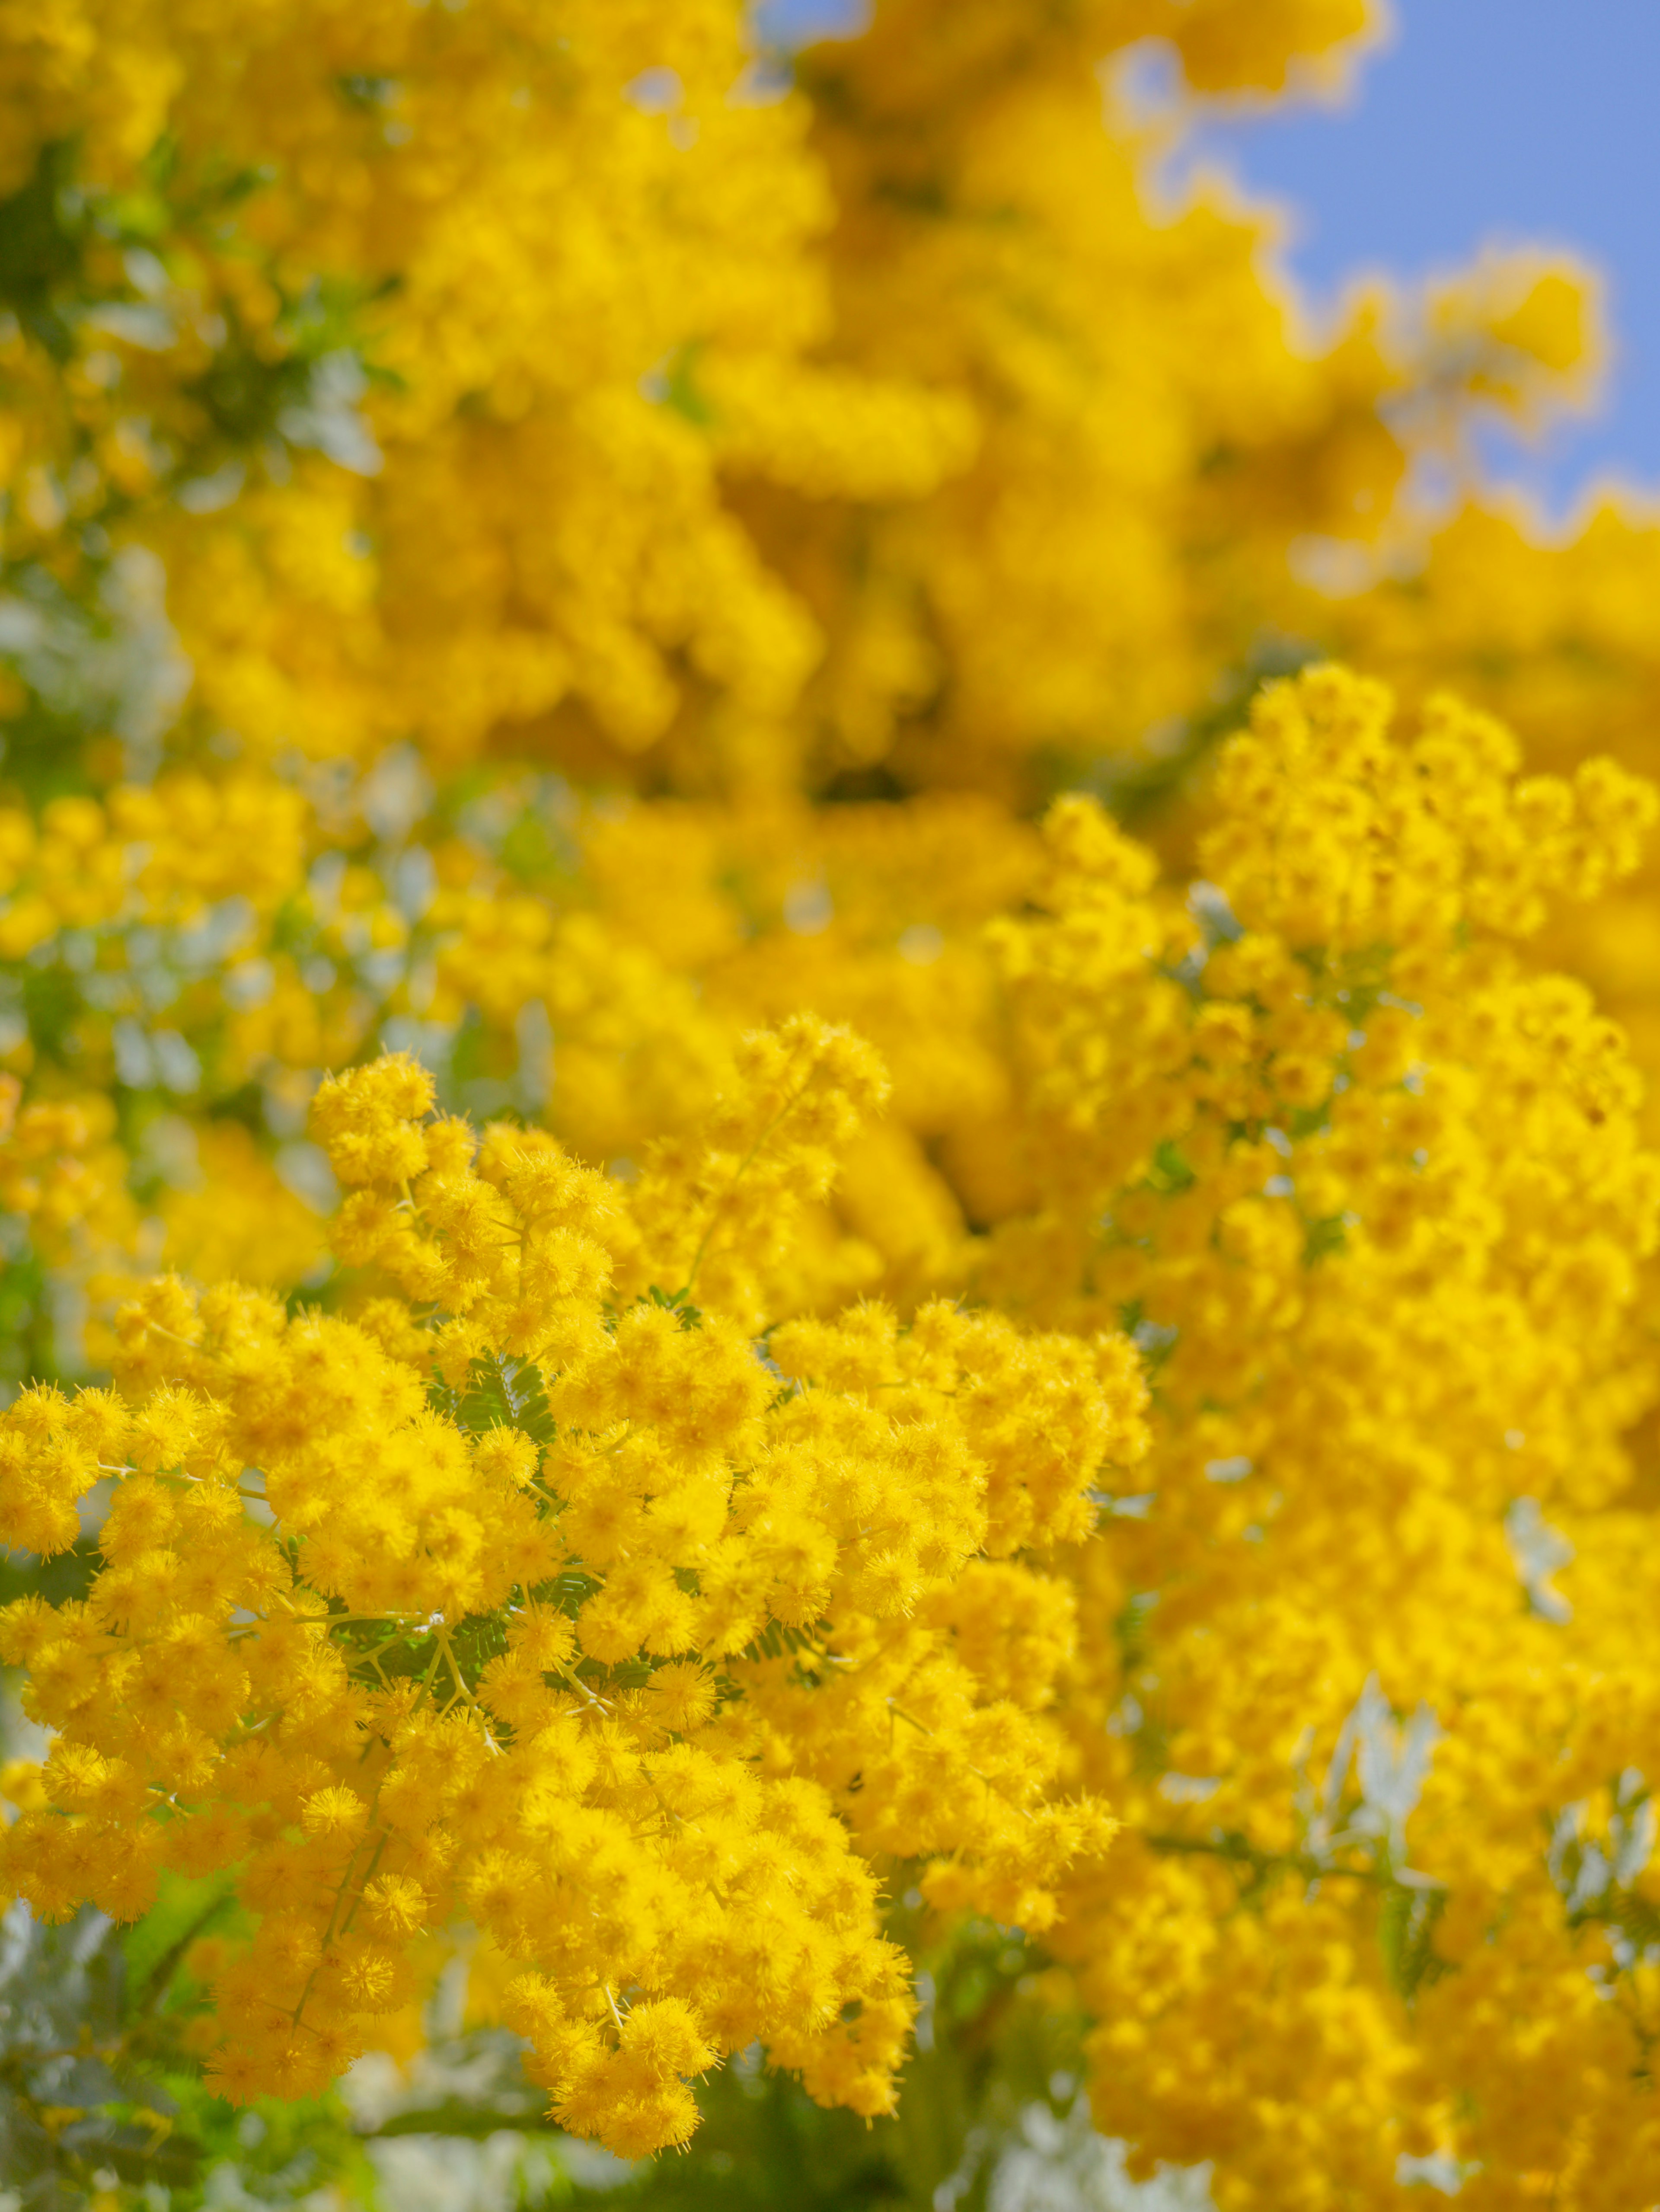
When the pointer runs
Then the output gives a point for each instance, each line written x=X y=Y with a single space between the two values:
x=1367 y=1188
x=58 y=1167
x=573 y=447
x=564 y=1601
x=563 y=379
x=162 y=853
x=576 y=243
x=186 y=963
x=1372 y=1193
x=728 y=527
x=127 y=912
x=1161 y=442
x=1558 y=639
x=685 y=926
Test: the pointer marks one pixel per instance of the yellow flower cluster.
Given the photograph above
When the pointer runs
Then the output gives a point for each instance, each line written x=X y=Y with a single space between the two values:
x=1159 y=441
x=704 y=418
x=639 y=1563
x=687 y=926
x=729 y=526
x=1557 y=639
x=1372 y=1193
x=625 y=187
x=58 y=1167
x=566 y=1604
x=160 y=853
x=1366 y=1186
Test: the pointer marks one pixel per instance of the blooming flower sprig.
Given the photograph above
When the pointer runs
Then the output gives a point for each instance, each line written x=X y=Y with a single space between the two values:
x=1372 y=1189
x=573 y=1611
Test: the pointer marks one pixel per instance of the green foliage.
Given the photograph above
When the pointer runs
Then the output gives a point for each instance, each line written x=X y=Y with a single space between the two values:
x=154 y=1948
x=62 y=1580
x=678 y=1302
x=501 y=1393
x=1407 y=1921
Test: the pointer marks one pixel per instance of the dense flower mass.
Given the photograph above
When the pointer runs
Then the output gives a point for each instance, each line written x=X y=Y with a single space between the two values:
x=804 y=1260
x=565 y=1603
x=1376 y=1195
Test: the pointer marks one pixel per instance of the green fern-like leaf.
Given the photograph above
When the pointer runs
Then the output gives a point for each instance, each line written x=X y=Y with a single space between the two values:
x=1406 y=1927
x=776 y=1641
x=501 y=1393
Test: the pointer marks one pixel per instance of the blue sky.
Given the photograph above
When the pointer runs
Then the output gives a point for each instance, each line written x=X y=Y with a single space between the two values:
x=1484 y=121
x=1493 y=121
